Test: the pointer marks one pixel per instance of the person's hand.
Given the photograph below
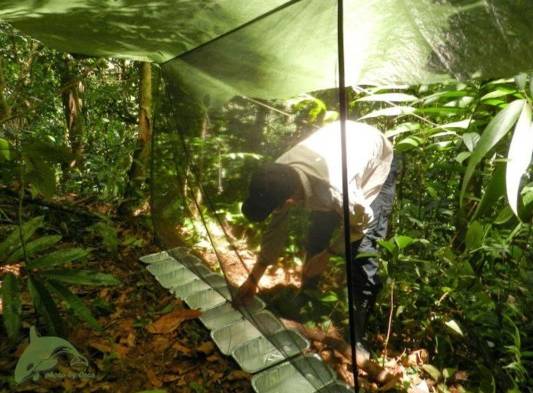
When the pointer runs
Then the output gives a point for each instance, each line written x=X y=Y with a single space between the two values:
x=315 y=266
x=246 y=292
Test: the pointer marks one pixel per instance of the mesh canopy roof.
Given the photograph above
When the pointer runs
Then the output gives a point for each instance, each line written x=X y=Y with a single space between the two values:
x=277 y=49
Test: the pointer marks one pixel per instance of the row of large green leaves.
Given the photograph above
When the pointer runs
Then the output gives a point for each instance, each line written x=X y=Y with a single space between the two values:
x=474 y=107
x=47 y=275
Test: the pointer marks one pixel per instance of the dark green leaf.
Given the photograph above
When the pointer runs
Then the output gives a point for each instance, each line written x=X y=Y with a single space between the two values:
x=42 y=177
x=45 y=306
x=494 y=190
x=34 y=247
x=11 y=305
x=44 y=151
x=81 y=277
x=58 y=258
x=74 y=303
x=474 y=235
x=494 y=132
x=504 y=216
x=13 y=240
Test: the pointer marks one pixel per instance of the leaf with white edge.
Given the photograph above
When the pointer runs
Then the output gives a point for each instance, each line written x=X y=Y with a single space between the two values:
x=501 y=92
x=402 y=128
x=389 y=97
x=463 y=124
x=470 y=139
x=74 y=303
x=11 y=305
x=454 y=326
x=493 y=133
x=393 y=111
x=519 y=156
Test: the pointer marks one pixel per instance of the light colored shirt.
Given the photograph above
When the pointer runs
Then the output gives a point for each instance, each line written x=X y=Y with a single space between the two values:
x=317 y=160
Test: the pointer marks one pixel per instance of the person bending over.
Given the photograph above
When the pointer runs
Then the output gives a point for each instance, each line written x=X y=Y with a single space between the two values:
x=310 y=175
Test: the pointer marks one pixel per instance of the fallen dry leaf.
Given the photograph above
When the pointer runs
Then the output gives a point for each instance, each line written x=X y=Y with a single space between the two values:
x=214 y=358
x=121 y=350
x=170 y=322
x=418 y=357
x=238 y=375
x=181 y=348
x=153 y=378
x=170 y=378
x=101 y=345
x=160 y=343
x=206 y=347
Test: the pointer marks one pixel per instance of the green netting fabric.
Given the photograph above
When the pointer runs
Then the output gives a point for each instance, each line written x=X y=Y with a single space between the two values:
x=142 y=30
x=387 y=41
x=292 y=50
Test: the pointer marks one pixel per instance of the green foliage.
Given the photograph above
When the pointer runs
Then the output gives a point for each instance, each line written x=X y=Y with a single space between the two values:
x=11 y=305
x=42 y=281
x=108 y=235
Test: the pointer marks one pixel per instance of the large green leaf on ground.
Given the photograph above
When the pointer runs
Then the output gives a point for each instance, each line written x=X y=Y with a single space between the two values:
x=519 y=156
x=13 y=241
x=58 y=257
x=11 y=304
x=34 y=247
x=45 y=306
x=81 y=277
x=74 y=303
x=493 y=133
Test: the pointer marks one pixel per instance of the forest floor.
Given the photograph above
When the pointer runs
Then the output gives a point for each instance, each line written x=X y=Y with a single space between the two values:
x=151 y=341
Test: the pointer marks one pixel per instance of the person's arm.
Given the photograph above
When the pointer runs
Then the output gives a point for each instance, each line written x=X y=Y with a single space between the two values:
x=272 y=243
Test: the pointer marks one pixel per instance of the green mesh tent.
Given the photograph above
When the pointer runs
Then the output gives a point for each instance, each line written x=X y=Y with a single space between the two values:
x=214 y=50
x=278 y=48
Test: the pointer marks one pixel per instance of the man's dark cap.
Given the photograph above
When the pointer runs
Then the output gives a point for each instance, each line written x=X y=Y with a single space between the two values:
x=270 y=186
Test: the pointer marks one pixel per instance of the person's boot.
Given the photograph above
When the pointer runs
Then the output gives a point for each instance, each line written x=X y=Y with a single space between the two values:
x=362 y=354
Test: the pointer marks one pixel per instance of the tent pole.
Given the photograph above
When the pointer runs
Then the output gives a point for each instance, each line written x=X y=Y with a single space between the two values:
x=345 y=199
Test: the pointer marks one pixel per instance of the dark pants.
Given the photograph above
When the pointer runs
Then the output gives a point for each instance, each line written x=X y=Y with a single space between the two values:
x=365 y=281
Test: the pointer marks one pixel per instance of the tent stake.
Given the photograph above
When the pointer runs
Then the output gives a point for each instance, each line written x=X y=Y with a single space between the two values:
x=345 y=198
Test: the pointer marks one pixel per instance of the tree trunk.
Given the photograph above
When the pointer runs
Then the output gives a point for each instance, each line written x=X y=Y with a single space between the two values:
x=138 y=172
x=5 y=110
x=71 y=94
